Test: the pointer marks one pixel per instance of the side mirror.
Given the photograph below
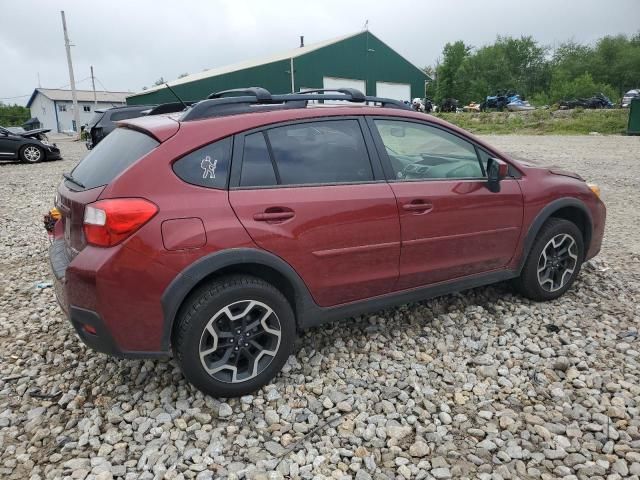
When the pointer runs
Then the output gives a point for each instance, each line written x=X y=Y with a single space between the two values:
x=496 y=171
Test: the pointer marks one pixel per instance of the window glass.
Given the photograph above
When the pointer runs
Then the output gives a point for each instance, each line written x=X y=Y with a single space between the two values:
x=120 y=149
x=484 y=159
x=418 y=151
x=115 y=116
x=207 y=166
x=257 y=169
x=320 y=152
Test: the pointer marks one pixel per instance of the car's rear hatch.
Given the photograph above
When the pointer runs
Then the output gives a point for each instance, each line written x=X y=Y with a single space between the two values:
x=110 y=158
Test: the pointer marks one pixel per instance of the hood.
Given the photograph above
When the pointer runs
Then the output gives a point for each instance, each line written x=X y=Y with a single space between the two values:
x=554 y=169
x=33 y=133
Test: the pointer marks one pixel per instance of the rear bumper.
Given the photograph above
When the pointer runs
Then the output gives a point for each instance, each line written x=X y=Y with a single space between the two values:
x=87 y=323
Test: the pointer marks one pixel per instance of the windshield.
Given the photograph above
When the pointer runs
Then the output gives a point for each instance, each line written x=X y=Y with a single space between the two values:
x=119 y=150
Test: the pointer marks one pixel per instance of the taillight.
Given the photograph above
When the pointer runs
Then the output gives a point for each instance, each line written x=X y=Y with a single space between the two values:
x=109 y=222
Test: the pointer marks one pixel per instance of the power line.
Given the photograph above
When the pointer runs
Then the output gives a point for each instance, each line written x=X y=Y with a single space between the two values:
x=57 y=88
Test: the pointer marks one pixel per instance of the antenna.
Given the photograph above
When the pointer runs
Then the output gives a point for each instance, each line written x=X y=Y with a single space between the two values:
x=366 y=25
x=176 y=95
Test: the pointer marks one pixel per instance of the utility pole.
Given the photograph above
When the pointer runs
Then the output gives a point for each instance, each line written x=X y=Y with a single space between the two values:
x=72 y=81
x=93 y=84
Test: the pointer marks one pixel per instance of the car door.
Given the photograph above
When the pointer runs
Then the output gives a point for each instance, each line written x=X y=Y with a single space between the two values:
x=309 y=193
x=9 y=144
x=452 y=225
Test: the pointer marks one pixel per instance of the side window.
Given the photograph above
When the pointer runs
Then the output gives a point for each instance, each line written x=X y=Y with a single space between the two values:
x=257 y=169
x=484 y=159
x=208 y=166
x=331 y=151
x=418 y=151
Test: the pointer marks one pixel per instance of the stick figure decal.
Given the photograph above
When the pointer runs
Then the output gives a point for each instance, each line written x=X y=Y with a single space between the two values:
x=209 y=169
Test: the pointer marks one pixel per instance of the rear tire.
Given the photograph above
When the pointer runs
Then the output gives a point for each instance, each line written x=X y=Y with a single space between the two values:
x=233 y=335
x=31 y=154
x=553 y=262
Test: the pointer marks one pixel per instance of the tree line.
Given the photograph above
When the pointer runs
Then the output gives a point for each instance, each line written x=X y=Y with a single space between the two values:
x=13 y=115
x=541 y=74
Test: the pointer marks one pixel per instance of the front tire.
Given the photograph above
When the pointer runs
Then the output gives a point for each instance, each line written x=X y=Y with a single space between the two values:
x=234 y=335
x=31 y=154
x=553 y=262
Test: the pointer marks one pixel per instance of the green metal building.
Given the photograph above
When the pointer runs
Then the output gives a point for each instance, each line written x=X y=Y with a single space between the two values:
x=359 y=60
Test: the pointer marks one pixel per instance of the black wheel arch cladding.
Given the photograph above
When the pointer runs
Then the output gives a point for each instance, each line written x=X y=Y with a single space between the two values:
x=547 y=212
x=207 y=266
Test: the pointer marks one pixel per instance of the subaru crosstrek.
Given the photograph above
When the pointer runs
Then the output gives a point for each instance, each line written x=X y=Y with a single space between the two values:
x=221 y=232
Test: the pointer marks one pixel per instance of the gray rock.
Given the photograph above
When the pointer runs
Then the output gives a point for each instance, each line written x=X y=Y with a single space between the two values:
x=441 y=472
x=225 y=410
x=419 y=449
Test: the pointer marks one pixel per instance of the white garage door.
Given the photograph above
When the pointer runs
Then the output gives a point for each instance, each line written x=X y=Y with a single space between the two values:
x=332 y=82
x=395 y=91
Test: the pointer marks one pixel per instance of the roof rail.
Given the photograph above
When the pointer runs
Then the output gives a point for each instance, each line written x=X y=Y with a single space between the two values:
x=356 y=95
x=259 y=99
x=262 y=94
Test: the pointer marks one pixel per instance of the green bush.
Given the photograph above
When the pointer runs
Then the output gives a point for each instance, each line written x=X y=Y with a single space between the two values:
x=13 y=115
x=539 y=122
x=580 y=87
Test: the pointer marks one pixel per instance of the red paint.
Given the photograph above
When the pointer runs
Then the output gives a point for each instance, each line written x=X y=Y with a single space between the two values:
x=343 y=240
x=455 y=228
x=347 y=242
x=183 y=233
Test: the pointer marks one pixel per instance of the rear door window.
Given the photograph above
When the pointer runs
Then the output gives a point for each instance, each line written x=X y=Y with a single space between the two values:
x=112 y=156
x=206 y=167
x=257 y=168
x=330 y=151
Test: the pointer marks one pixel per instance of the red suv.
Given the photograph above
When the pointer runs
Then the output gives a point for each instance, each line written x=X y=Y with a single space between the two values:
x=221 y=232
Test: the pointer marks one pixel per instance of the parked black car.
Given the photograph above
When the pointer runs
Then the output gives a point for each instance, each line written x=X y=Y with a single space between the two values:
x=103 y=121
x=599 y=100
x=28 y=146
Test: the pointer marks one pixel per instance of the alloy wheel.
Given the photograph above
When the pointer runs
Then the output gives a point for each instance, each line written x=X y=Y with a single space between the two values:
x=240 y=341
x=32 y=153
x=557 y=262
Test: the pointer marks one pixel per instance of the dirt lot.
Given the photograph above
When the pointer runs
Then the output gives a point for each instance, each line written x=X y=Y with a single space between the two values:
x=483 y=384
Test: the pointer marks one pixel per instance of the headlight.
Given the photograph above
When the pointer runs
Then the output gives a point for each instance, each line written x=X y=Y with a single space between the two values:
x=594 y=188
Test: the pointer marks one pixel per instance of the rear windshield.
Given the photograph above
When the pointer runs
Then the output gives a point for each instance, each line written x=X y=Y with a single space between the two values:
x=120 y=149
x=96 y=118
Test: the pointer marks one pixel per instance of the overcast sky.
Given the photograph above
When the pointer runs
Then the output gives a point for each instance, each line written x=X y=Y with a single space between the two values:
x=133 y=43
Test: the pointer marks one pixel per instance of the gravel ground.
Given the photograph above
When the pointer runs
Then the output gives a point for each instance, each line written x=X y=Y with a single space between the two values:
x=483 y=384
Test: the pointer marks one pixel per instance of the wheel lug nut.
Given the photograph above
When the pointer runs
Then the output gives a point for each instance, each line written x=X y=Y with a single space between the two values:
x=246 y=344
x=236 y=348
x=231 y=341
x=247 y=334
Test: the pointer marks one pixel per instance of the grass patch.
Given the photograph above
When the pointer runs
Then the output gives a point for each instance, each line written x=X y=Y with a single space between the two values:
x=542 y=122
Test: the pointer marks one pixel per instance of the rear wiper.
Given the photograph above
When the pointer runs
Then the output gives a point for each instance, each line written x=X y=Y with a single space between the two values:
x=69 y=177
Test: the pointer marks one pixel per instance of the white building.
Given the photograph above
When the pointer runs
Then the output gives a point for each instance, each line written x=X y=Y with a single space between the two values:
x=54 y=107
